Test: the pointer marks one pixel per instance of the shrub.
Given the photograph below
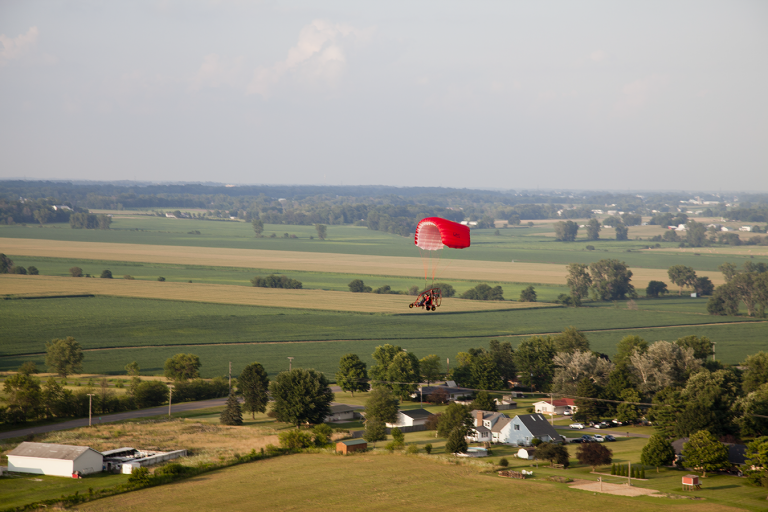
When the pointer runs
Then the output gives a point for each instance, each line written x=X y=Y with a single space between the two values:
x=129 y=277
x=412 y=449
x=32 y=270
x=397 y=437
x=76 y=272
x=590 y=247
x=275 y=281
x=484 y=292
x=18 y=269
x=528 y=295
x=161 y=279
x=106 y=274
x=140 y=476
x=428 y=448
x=358 y=286
x=503 y=462
x=295 y=440
x=322 y=434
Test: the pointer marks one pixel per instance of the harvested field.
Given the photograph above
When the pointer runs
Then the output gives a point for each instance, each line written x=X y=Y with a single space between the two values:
x=492 y=271
x=741 y=250
x=51 y=286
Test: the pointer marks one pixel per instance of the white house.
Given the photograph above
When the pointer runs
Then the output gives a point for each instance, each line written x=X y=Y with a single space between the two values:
x=54 y=459
x=523 y=428
x=745 y=228
x=488 y=425
x=411 y=418
x=557 y=406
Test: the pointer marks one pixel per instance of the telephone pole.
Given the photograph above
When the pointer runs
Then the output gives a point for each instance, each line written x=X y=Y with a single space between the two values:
x=290 y=364
x=90 y=401
x=170 y=398
x=230 y=376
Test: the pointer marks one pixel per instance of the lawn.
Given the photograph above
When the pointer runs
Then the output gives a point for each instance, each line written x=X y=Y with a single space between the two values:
x=377 y=481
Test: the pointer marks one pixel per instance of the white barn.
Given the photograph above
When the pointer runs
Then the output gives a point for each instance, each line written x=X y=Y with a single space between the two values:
x=54 y=459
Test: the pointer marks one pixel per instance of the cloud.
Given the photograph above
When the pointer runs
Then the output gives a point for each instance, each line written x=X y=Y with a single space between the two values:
x=598 y=56
x=635 y=95
x=317 y=58
x=11 y=49
x=216 y=71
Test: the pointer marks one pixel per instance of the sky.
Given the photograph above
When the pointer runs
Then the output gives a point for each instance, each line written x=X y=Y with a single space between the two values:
x=643 y=95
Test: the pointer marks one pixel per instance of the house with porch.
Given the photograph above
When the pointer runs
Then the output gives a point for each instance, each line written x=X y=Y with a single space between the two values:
x=486 y=423
x=557 y=406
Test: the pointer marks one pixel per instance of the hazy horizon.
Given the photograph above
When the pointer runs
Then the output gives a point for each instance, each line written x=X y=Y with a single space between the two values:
x=590 y=96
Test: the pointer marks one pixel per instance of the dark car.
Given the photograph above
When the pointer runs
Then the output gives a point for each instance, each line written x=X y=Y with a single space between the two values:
x=609 y=437
x=586 y=438
x=575 y=440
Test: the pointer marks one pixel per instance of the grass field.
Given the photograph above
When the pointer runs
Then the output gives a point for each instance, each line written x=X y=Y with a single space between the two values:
x=354 y=264
x=375 y=481
x=150 y=331
x=36 y=286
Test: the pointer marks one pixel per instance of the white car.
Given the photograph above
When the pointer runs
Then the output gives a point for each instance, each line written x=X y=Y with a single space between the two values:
x=567 y=413
x=576 y=425
x=598 y=438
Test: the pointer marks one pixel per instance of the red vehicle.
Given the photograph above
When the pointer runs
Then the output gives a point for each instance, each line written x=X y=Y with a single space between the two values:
x=430 y=299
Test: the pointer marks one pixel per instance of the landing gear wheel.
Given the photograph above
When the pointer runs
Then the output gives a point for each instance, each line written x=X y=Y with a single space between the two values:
x=434 y=308
x=410 y=305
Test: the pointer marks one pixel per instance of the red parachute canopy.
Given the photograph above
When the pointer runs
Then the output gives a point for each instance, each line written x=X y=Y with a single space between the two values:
x=433 y=233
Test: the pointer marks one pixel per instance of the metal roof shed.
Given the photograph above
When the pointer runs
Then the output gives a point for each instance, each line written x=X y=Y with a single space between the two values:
x=54 y=459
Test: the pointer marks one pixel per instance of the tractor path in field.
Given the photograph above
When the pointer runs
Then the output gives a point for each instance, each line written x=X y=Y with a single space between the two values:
x=479 y=336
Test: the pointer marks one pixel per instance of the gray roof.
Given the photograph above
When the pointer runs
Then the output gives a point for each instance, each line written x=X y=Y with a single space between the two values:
x=481 y=430
x=417 y=414
x=503 y=422
x=353 y=442
x=49 y=451
x=538 y=425
x=335 y=409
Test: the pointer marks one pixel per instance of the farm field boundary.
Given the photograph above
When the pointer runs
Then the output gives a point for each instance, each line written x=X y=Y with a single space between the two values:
x=515 y=272
x=19 y=287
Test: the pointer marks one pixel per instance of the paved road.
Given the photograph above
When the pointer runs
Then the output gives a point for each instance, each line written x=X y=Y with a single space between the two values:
x=108 y=418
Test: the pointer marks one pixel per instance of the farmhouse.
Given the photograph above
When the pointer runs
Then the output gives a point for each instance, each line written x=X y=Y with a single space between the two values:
x=488 y=426
x=524 y=428
x=54 y=459
x=411 y=418
x=558 y=406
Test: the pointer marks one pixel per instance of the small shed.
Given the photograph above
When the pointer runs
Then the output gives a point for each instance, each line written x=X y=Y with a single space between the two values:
x=351 y=445
x=54 y=459
x=691 y=482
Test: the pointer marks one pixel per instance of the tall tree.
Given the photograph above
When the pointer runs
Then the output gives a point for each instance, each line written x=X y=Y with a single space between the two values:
x=456 y=416
x=485 y=374
x=696 y=234
x=353 y=374
x=483 y=402
x=504 y=358
x=431 y=368
x=571 y=340
x=398 y=369
x=628 y=346
x=554 y=453
x=622 y=232
x=611 y=280
x=704 y=451
x=381 y=405
x=534 y=361
x=702 y=347
x=258 y=226
x=182 y=367
x=457 y=442
x=23 y=396
x=375 y=430
x=64 y=356
x=656 y=288
x=528 y=294
x=658 y=452
x=757 y=371
x=682 y=276
x=301 y=396
x=6 y=264
x=587 y=409
x=231 y=415
x=322 y=231
x=578 y=281
x=593 y=229
x=253 y=383
x=132 y=369
x=566 y=231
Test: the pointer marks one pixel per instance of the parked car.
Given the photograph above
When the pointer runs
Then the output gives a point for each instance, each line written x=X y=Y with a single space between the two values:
x=596 y=425
x=609 y=437
x=567 y=412
x=575 y=440
x=617 y=422
x=604 y=424
x=576 y=425
x=598 y=438
x=586 y=438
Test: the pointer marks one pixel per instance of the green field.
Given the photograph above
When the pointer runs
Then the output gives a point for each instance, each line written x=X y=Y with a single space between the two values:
x=514 y=244
x=153 y=330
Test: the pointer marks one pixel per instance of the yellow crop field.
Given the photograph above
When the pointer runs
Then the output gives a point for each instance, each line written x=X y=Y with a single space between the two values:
x=493 y=271
x=229 y=294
